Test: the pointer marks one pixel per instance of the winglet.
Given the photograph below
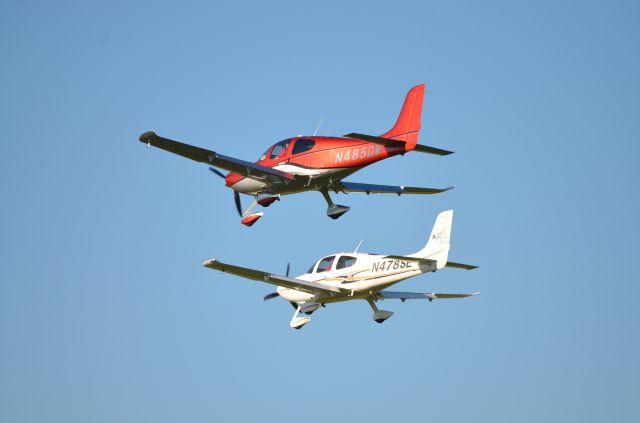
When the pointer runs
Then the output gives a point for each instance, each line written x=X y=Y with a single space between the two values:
x=209 y=263
x=147 y=136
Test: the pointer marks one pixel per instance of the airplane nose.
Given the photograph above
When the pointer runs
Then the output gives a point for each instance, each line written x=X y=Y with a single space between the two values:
x=232 y=178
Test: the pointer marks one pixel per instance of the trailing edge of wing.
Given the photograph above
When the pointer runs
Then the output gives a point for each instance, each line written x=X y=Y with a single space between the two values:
x=242 y=167
x=460 y=265
x=386 y=189
x=258 y=275
x=388 y=142
x=390 y=295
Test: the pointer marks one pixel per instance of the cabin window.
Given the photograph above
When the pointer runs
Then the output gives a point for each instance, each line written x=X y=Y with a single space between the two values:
x=279 y=148
x=325 y=264
x=302 y=145
x=345 y=261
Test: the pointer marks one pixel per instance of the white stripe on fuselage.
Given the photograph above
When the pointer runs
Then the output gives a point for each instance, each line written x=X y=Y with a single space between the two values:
x=252 y=186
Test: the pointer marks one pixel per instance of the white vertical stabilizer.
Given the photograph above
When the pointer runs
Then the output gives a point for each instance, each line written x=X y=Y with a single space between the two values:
x=437 y=247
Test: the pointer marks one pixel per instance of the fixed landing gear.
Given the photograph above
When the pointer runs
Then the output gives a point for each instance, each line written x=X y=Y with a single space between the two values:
x=334 y=211
x=298 y=322
x=248 y=218
x=379 y=316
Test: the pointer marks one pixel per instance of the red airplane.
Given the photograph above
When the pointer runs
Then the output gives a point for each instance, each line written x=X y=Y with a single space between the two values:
x=313 y=163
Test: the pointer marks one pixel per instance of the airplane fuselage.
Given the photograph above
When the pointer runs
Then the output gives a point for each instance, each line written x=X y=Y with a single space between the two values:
x=368 y=274
x=315 y=161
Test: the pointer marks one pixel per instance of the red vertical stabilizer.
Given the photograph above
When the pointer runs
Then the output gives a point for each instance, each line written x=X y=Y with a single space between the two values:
x=408 y=124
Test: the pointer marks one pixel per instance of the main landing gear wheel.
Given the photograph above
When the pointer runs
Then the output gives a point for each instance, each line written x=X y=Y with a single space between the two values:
x=334 y=211
x=379 y=316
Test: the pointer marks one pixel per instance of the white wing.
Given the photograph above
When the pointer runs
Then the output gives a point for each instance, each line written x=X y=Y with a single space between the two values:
x=258 y=275
x=391 y=295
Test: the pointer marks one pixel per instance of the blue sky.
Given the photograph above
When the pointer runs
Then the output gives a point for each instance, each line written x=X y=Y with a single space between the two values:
x=106 y=313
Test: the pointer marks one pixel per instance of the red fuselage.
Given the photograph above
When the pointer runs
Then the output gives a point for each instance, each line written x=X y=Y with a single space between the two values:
x=317 y=157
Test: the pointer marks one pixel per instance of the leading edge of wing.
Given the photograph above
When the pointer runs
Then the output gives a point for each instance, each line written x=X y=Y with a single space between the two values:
x=258 y=275
x=345 y=186
x=242 y=167
x=391 y=295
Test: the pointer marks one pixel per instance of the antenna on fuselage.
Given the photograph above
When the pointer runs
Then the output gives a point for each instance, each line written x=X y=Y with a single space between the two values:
x=359 y=244
x=318 y=127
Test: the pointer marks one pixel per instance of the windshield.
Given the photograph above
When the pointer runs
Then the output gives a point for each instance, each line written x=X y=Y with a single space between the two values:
x=311 y=268
x=275 y=149
x=279 y=148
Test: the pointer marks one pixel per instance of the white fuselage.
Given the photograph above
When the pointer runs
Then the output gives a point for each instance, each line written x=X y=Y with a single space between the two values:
x=356 y=274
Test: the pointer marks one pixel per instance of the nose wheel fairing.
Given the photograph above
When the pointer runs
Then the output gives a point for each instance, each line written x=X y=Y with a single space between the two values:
x=298 y=322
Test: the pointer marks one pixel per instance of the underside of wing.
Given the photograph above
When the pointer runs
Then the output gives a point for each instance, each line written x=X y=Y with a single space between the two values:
x=392 y=295
x=344 y=186
x=242 y=167
x=258 y=275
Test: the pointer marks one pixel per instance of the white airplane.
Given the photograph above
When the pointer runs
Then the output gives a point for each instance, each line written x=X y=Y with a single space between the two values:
x=355 y=276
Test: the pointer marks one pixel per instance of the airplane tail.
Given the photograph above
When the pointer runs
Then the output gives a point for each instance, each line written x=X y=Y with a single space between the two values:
x=437 y=247
x=408 y=123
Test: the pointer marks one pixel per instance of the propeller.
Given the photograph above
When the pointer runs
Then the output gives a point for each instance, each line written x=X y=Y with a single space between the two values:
x=275 y=294
x=236 y=195
x=217 y=172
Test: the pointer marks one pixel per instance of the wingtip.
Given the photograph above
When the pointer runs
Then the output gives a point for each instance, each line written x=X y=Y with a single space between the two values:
x=208 y=263
x=147 y=136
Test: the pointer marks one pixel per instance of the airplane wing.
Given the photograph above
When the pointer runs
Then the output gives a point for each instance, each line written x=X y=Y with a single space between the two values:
x=346 y=187
x=242 y=167
x=258 y=275
x=388 y=142
x=391 y=295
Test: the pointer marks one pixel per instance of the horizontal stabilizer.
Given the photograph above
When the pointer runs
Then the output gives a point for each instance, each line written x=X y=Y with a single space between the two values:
x=416 y=259
x=431 y=150
x=344 y=186
x=388 y=142
x=460 y=265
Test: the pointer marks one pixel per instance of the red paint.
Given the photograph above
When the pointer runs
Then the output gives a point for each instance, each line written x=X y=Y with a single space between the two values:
x=251 y=219
x=336 y=152
x=266 y=202
x=408 y=123
x=232 y=178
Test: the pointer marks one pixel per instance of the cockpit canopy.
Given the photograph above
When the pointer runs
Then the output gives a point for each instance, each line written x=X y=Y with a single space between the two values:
x=276 y=149
x=280 y=148
x=329 y=263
